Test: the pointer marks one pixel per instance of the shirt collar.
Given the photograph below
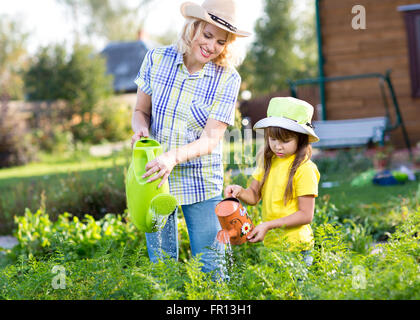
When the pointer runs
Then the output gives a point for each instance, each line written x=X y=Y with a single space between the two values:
x=179 y=58
x=209 y=68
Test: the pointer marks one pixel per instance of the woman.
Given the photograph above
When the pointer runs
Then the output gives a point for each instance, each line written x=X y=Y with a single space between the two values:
x=186 y=96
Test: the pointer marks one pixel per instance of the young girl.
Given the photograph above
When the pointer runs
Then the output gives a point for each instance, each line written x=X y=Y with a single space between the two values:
x=285 y=179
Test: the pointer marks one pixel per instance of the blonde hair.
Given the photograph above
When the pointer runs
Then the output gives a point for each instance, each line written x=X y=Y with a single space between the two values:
x=191 y=31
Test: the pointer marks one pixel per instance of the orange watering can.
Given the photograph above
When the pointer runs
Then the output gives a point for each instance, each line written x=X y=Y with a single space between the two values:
x=234 y=221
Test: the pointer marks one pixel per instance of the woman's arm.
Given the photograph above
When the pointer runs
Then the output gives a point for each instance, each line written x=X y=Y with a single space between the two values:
x=303 y=216
x=250 y=195
x=140 y=121
x=212 y=134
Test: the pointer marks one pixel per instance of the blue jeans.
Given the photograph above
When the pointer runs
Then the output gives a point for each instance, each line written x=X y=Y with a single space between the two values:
x=202 y=224
x=307 y=258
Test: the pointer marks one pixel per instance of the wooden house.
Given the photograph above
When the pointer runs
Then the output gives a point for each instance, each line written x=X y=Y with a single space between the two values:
x=123 y=61
x=371 y=36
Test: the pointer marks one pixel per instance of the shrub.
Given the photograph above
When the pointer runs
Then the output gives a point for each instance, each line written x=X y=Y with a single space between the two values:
x=76 y=239
x=55 y=140
x=113 y=121
x=344 y=162
x=78 y=78
x=15 y=146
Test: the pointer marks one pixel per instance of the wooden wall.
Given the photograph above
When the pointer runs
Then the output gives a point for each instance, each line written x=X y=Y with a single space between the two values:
x=381 y=46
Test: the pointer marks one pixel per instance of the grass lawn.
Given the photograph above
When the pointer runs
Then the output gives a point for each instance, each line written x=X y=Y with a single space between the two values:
x=345 y=194
x=80 y=184
x=83 y=184
x=379 y=208
x=58 y=165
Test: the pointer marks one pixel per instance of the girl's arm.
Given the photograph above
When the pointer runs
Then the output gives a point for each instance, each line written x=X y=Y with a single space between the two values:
x=250 y=195
x=212 y=134
x=140 y=121
x=303 y=216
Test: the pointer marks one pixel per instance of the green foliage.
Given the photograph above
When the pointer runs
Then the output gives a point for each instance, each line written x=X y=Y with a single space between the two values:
x=95 y=191
x=15 y=143
x=111 y=20
x=15 y=148
x=106 y=259
x=113 y=122
x=45 y=78
x=85 y=79
x=79 y=78
x=75 y=238
x=364 y=179
x=54 y=140
x=391 y=273
x=284 y=47
x=343 y=162
x=359 y=235
x=12 y=58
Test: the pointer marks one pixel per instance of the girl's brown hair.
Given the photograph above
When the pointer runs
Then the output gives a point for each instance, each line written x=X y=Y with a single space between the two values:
x=303 y=153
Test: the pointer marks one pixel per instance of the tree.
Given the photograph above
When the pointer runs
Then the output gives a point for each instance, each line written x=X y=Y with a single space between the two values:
x=12 y=58
x=79 y=78
x=85 y=80
x=44 y=79
x=113 y=20
x=281 y=49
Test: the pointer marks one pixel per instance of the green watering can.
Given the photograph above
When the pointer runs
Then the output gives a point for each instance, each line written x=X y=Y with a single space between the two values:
x=148 y=206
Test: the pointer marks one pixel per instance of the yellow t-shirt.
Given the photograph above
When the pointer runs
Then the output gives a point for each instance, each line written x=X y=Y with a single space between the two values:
x=305 y=182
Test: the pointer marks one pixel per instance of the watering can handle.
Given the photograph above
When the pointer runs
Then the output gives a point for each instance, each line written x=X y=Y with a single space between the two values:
x=150 y=155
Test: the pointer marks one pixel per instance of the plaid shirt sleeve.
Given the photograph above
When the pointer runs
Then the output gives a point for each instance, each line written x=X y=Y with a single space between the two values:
x=223 y=108
x=143 y=79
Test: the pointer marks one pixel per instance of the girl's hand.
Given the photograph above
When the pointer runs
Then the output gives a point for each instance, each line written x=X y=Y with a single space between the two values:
x=139 y=134
x=233 y=191
x=162 y=165
x=258 y=233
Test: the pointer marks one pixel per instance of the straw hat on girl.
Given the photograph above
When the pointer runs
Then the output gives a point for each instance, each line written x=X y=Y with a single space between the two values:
x=289 y=113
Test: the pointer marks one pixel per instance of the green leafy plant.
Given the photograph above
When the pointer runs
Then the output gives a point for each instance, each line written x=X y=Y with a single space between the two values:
x=123 y=271
x=38 y=235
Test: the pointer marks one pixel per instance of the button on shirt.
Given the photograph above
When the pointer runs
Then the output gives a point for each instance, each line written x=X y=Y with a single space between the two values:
x=181 y=105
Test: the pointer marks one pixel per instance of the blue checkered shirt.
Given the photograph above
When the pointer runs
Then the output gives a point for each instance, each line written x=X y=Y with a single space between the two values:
x=181 y=105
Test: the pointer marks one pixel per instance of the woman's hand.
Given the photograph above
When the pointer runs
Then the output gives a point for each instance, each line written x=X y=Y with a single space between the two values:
x=139 y=134
x=258 y=233
x=162 y=165
x=233 y=191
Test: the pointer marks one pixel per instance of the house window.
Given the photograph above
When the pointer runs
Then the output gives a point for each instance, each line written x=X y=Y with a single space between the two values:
x=412 y=22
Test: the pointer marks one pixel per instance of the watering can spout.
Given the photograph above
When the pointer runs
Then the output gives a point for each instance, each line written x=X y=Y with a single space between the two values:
x=160 y=208
x=148 y=205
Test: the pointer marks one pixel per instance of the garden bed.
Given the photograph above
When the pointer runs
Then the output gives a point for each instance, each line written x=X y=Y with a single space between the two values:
x=104 y=257
x=107 y=259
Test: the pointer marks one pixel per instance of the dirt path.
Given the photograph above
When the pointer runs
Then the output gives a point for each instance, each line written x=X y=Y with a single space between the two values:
x=8 y=242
